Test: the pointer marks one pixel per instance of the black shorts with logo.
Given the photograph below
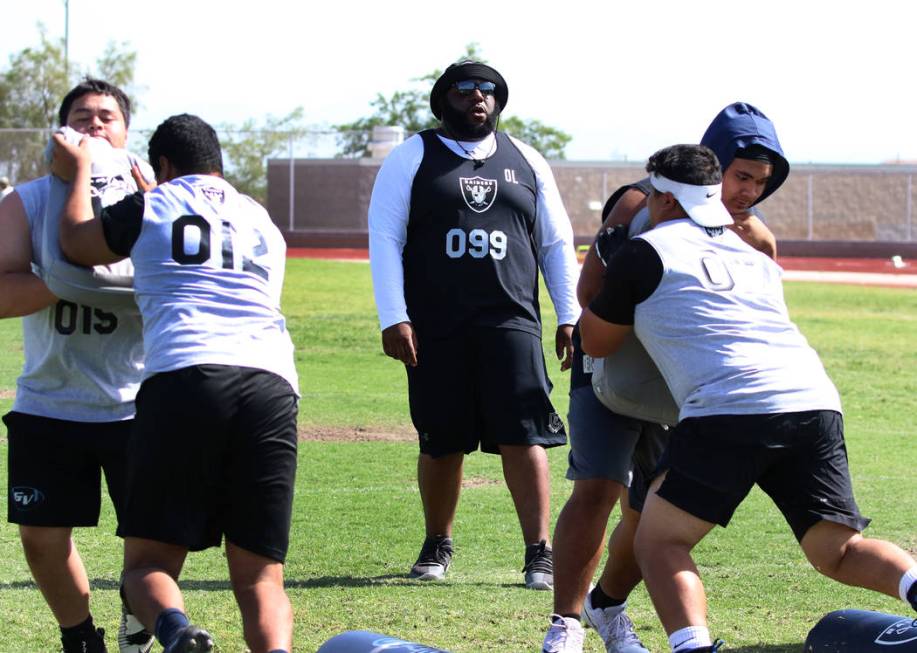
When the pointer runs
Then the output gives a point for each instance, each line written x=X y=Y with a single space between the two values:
x=798 y=459
x=483 y=386
x=55 y=469
x=213 y=453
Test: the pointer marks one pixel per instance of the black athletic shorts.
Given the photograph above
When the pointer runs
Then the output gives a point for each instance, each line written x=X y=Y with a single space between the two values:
x=55 y=469
x=213 y=453
x=482 y=387
x=798 y=459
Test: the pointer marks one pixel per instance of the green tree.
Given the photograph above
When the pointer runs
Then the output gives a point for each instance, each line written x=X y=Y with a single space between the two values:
x=31 y=88
x=411 y=110
x=247 y=147
x=550 y=141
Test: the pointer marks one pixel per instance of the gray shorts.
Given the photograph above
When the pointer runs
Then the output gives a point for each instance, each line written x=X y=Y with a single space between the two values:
x=603 y=444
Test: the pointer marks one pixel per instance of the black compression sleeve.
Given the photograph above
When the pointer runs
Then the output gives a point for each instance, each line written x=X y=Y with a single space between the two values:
x=121 y=223
x=633 y=274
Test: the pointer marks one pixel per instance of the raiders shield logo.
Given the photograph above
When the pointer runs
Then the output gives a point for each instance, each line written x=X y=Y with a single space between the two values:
x=900 y=632
x=479 y=193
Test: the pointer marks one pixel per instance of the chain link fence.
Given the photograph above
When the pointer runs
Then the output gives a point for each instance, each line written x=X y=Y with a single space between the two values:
x=308 y=189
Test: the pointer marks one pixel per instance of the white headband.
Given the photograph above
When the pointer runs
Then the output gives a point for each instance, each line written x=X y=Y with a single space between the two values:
x=703 y=204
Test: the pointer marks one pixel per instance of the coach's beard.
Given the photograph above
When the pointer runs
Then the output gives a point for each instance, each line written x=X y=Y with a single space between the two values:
x=460 y=127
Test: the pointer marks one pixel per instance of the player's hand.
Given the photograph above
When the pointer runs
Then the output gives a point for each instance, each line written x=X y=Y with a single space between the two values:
x=144 y=185
x=563 y=346
x=67 y=157
x=400 y=342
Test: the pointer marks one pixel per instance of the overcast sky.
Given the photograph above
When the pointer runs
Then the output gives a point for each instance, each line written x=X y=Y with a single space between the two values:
x=839 y=79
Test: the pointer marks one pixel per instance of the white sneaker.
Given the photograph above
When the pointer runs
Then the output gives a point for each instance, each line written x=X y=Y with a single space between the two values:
x=132 y=636
x=614 y=627
x=565 y=635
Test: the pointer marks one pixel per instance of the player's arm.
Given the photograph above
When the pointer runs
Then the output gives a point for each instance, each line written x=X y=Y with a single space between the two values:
x=590 y=278
x=556 y=254
x=602 y=338
x=82 y=238
x=634 y=273
x=753 y=231
x=21 y=291
x=389 y=209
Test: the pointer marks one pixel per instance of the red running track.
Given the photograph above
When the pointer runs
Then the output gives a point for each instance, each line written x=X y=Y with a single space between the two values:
x=864 y=271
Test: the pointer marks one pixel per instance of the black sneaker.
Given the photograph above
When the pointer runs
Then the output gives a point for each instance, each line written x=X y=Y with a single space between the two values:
x=434 y=559
x=190 y=639
x=539 y=566
x=912 y=595
x=92 y=644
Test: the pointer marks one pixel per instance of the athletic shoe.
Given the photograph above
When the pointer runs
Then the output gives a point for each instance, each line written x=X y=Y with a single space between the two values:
x=132 y=636
x=434 y=559
x=614 y=627
x=565 y=635
x=190 y=639
x=93 y=644
x=912 y=595
x=539 y=566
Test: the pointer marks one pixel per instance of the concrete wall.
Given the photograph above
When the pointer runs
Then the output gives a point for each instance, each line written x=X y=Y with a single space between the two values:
x=848 y=203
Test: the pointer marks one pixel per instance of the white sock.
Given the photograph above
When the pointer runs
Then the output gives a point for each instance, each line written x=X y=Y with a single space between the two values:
x=688 y=638
x=909 y=578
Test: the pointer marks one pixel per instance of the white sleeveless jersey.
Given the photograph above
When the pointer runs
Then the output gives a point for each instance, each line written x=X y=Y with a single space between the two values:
x=208 y=272
x=82 y=363
x=718 y=329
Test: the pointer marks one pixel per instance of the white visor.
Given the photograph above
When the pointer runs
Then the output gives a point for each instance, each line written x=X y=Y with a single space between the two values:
x=703 y=204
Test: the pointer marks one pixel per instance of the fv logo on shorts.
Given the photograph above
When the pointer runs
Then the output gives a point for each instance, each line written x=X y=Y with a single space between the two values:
x=479 y=193
x=26 y=498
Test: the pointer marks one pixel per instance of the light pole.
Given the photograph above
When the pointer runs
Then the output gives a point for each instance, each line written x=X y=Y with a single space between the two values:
x=67 y=39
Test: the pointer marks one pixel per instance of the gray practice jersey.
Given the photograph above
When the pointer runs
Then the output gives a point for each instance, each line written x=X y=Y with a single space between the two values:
x=208 y=273
x=718 y=329
x=82 y=363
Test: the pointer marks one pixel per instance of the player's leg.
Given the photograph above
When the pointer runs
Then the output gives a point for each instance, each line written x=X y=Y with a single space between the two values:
x=621 y=573
x=525 y=469
x=261 y=463
x=709 y=471
x=150 y=581
x=843 y=554
x=579 y=538
x=606 y=604
x=54 y=485
x=442 y=411
x=813 y=489
x=58 y=571
x=186 y=411
x=517 y=420
x=440 y=482
x=150 y=589
x=112 y=452
x=257 y=583
x=663 y=544
x=600 y=461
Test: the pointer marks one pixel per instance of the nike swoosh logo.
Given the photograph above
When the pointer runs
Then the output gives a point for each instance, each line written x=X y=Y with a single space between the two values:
x=709 y=195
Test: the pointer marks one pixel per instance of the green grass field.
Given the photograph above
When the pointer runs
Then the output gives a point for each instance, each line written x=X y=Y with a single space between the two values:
x=358 y=524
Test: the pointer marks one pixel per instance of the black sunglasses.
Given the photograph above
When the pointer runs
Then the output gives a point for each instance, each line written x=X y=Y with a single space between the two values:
x=467 y=87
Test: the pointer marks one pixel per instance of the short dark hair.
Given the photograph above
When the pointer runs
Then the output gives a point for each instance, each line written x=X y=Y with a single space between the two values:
x=689 y=164
x=756 y=152
x=189 y=143
x=92 y=85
